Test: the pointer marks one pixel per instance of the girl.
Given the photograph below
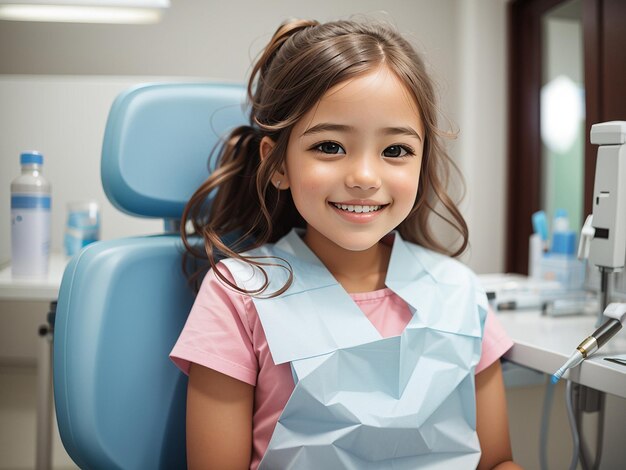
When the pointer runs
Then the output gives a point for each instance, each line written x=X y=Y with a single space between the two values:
x=336 y=333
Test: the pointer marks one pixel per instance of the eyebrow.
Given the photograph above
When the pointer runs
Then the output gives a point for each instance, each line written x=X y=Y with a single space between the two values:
x=327 y=126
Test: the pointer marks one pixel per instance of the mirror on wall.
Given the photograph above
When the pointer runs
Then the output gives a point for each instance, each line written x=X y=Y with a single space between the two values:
x=567 y=72
x=562 y=112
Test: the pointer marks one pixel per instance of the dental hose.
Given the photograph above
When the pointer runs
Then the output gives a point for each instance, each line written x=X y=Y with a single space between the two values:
x=572 y=425
x=616 y=313
x=545 y=418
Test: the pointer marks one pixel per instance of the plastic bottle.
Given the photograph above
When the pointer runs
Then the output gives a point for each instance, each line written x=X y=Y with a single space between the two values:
x=30 y=219
x=563 y=239
x=561 y=263
x=83 y=226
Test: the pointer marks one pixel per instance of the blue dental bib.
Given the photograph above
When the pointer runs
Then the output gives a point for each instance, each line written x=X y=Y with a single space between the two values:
x=362 y=401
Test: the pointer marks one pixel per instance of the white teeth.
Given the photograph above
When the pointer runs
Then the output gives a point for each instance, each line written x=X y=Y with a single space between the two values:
x=355 y=208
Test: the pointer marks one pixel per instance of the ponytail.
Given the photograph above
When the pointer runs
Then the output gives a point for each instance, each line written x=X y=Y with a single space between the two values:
x=285 y=31
x=232 y=184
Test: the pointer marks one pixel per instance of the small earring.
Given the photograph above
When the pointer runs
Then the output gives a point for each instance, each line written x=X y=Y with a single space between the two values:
x=278 y=184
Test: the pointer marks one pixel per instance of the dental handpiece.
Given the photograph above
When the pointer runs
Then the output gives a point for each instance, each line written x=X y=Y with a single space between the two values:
x=617 y=314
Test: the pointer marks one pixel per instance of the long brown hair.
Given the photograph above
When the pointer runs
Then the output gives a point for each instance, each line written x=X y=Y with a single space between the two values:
x=301 y=62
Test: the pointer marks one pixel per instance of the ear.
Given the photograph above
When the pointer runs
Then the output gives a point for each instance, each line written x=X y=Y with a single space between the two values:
x=279 y=178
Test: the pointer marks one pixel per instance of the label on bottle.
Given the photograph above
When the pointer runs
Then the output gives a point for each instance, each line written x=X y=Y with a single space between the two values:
x=30 y=234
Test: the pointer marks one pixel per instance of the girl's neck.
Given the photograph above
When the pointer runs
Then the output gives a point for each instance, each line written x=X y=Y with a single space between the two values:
x=356 y=271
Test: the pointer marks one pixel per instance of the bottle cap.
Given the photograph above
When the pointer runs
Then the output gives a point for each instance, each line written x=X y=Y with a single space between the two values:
x=561 y=222
x=540 y=224
x=27 y=158
x=561 y=213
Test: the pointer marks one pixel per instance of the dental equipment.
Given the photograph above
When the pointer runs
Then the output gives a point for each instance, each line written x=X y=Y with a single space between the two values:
x=603 y=236
x=616 y=314
x=603 y=242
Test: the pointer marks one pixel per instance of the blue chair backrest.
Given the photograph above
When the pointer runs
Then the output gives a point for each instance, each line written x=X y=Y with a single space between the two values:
x=120 y=402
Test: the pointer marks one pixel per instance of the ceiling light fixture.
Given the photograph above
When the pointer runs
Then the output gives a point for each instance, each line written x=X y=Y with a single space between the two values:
x=84 y=11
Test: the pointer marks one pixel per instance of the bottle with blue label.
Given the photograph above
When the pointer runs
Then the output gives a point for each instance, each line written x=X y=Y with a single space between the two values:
x=83 y=226
x=560 y=264
x=563 y=239
x=30 y=219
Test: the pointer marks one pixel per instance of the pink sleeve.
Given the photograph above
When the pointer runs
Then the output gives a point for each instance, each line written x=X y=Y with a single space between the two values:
x=217 y=334
x=495 y=342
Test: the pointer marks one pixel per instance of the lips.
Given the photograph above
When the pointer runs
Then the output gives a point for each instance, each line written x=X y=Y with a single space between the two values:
x=357 y=208
x=358 y=213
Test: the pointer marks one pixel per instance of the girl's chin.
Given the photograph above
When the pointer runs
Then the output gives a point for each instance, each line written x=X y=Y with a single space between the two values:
x=349 y=241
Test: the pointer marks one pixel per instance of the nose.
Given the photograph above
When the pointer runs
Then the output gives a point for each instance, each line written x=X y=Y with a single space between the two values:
x=363 y=173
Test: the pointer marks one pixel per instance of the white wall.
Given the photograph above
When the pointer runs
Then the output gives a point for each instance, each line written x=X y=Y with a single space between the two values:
x=481 y=46
x=63 y=115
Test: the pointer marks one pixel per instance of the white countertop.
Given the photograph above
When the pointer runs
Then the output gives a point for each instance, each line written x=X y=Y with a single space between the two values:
x=545 y=343
x=44 y=288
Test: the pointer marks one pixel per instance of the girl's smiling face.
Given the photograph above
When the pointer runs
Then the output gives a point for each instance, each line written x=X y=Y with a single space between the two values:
x=353 y=161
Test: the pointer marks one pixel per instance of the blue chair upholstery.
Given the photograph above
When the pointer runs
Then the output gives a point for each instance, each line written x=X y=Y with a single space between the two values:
x=120 y=402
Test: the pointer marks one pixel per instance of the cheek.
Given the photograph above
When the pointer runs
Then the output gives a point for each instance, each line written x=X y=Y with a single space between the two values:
x=405 y=193
x=407 y=185
x=310 y=181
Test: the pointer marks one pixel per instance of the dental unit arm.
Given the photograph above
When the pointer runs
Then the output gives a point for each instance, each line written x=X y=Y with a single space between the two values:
x=603 y=236
x=616 y=314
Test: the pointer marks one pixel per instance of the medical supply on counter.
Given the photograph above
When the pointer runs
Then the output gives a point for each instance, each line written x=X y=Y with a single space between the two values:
x=30 y=219
x=561 y=264
x=535 y=253
x=616 y=314
x=540 y=227
x=585 y=304
x=621 y=360
x=518 y=292
x=537 y=244
x=563 y=239
x=565 y=269
x=558 y=263
x=82 y=226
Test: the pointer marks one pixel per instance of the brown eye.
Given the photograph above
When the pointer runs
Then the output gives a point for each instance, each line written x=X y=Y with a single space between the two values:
x=396 y=151
x=331 y=148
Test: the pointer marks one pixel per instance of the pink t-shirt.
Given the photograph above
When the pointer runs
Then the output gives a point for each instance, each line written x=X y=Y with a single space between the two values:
x=224 y=333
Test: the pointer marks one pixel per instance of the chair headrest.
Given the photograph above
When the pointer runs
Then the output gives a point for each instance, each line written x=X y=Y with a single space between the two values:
x=158 y=140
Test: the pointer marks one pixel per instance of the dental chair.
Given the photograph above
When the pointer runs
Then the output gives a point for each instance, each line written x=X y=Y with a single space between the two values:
x=120 y=402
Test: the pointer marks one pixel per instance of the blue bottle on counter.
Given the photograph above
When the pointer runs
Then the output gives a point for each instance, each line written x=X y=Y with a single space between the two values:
x=30 y=219
x=83 y=226
x=563 y=239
